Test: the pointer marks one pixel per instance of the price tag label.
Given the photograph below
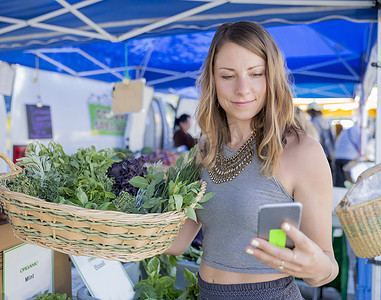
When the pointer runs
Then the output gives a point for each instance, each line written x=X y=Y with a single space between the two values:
x=105 y=279
x=27 y=272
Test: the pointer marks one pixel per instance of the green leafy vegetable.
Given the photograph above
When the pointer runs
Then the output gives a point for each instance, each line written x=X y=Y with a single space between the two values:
x=175 y=190
x=124 y=171
x=192 y=291
x=191 y=254
x=93 y=180
x=77 y=179
x=156 y=286
x=51 y=296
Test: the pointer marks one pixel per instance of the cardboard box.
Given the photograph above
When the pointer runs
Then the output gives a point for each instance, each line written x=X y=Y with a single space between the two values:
x=62 y=263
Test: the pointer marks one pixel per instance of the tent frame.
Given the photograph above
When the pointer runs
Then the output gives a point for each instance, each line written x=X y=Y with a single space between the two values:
x=102 y=34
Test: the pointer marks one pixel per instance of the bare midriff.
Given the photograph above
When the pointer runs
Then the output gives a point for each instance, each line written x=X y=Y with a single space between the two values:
x=213 y=275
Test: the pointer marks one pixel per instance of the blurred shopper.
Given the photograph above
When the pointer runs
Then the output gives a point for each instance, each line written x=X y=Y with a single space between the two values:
x=338 y=130
x=325 y=131
x=347 y=149
x=181 y=136
x=306 y=124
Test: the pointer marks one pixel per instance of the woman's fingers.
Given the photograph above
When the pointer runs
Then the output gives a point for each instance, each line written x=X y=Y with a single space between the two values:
x=283 y=259
x=304 y=261
x=279 y=258
x=299 y=238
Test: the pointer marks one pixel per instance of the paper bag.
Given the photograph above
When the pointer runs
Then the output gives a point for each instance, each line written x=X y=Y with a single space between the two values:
x=128 y=96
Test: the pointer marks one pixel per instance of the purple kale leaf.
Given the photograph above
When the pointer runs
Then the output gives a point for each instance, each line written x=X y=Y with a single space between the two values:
x=123 y=171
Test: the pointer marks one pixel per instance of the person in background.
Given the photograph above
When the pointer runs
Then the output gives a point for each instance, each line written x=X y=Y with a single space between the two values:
x=324 y=129
x=181 y=136
x=338 y=130
x=347 y=149
x=252 y=153
x=306 y=124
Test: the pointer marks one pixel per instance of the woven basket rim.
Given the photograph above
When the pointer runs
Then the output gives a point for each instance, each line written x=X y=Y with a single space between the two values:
x=95 y=214
x=347 y=208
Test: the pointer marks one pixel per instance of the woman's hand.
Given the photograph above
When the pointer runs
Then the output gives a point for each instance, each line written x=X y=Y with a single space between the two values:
x=307 y=260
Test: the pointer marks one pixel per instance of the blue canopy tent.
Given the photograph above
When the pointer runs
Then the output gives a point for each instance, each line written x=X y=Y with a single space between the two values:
x=167 y=41
x=327 y=44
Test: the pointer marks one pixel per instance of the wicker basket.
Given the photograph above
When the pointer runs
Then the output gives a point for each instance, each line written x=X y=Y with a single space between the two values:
x=87 y=232
x=362 y=222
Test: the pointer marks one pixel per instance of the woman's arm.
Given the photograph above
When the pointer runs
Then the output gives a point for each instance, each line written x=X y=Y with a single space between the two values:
x=313 y=188
x=304 y=172
x=185 y=237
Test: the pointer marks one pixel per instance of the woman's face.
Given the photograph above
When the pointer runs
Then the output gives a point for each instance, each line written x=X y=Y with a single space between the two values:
x=186 y=124
x=240 y=80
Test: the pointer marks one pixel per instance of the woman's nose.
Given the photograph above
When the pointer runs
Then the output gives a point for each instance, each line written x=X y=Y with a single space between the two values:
x=243 y=86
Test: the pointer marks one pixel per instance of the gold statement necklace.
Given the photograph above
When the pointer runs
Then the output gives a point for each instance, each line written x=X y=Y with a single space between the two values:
x=228 y=168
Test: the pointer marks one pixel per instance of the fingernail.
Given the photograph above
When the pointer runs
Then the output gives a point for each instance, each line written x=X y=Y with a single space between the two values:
x=255 y=243
x=286 y=227
x=249 y=251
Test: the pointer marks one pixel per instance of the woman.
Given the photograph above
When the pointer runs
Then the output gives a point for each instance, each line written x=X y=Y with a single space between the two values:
x=181 y=136
x=254 y=153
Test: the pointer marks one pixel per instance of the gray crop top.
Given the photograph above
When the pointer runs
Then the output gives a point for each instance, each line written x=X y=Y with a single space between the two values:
x=229 y=219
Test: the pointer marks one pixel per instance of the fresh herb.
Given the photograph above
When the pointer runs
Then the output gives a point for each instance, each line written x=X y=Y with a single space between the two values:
x=93 y=180
x=125 y=170
x=78 y=179
x=161 y=270
x=156 y=286
x=126 y=203
x=48 y=190
x=177 y=191
x=192 y=291
x=168 y=264
x=191 y=254
x=51 y=296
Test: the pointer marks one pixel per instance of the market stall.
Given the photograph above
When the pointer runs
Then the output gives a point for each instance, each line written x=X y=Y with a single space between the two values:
x=62 y=35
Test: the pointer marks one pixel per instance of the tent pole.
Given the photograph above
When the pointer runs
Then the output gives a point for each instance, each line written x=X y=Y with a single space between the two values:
x=349 y=3
x=172 y=19
x=24 y=23
x=378 y=112
x=376 y=269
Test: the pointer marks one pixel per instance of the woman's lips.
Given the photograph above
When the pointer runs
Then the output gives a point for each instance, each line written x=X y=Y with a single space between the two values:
x=242 y=104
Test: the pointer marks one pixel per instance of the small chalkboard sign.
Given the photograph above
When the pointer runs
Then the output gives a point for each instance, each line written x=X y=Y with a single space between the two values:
x=39 y=121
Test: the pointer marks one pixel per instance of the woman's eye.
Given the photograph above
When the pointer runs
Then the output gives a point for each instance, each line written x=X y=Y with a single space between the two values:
x=227 y=76
x=257 y=74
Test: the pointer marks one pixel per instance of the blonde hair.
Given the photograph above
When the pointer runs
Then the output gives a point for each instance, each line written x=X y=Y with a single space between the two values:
x=274 y=120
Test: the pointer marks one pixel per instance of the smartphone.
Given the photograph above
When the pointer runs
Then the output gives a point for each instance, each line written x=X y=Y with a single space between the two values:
x=271 y=216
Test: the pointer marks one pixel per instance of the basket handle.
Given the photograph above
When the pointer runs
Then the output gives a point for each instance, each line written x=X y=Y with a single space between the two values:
x=200 y=194
x=343 y=202
x=15 y=170
x=369 y=172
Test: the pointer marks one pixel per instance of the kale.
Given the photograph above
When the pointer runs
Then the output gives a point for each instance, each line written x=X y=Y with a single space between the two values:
x=124 y=171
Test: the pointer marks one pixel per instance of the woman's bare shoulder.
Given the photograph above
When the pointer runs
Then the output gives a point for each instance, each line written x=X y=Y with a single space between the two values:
x=304 y=167
x=302 y=154
x=302 y=146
